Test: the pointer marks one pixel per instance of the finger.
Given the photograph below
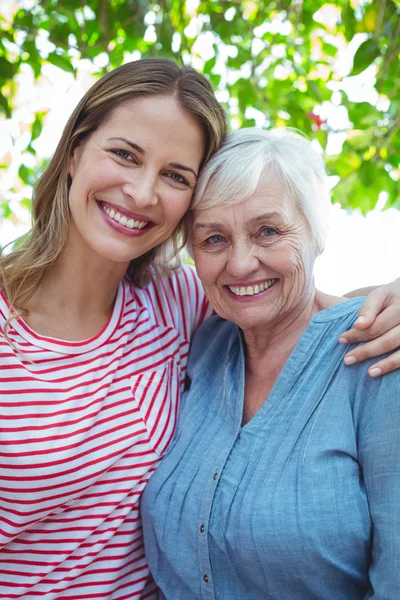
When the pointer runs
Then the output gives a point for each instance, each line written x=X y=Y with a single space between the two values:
x=386 y=343
x=391 y=363
x=374 y=304
x=353 y=336
x=386 y=321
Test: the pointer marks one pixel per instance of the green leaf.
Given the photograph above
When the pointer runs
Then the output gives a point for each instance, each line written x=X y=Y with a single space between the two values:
x=26 y=175
x=364 y=114
x=37 y=125
x=5 y=210
x=61 y=61
x=209 y=65
x=365 y=56
x=26 y=203
x=360 y=139
x=4 y=106
x=348 y=19
x=7 y=69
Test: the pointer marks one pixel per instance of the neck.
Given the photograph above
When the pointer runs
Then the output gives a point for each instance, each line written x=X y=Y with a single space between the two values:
x=276 y=341
x=82 y=287
x=76 y=296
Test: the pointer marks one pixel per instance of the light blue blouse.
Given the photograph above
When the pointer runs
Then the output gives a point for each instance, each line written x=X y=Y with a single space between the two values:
x=303 y=502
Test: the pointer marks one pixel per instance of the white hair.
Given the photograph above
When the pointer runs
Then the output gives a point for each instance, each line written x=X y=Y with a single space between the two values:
x=234 y=172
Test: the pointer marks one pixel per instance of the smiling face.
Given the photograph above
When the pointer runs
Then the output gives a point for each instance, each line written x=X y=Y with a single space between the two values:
x=255 y=259
x=133 y=179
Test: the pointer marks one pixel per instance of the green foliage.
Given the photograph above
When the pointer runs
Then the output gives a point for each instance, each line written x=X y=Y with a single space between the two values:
x=279 y=57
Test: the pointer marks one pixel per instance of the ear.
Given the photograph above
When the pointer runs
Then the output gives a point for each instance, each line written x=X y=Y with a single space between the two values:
x=73 y=161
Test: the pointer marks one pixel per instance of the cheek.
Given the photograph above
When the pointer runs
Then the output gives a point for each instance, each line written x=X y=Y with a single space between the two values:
x=95 y=175
x=206 y=266
x=290 y=259
x=176 y=204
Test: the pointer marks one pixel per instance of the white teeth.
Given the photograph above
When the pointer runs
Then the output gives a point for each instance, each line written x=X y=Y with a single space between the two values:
x=122 y=219
x=252 y=290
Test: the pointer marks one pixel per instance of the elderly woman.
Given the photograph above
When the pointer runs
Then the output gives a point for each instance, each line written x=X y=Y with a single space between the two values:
x=283 y=479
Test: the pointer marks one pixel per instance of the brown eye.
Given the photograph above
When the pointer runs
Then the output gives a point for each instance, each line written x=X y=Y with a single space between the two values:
x=124 y=154
x=177 y=178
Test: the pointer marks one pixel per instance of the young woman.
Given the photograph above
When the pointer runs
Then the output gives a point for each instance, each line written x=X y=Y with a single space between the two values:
x=93 y=342
x=91 y=363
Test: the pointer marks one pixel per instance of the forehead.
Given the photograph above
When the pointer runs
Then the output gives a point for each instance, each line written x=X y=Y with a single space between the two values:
x=151 y=120
x=147 y=107
x=271 y=197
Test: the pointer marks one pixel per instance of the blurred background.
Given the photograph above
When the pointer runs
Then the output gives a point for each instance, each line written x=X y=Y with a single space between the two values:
x=331 y=70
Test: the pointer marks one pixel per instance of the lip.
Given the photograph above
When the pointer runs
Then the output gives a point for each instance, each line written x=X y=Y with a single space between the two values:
x=121 y=228
x=124 y=211
x=255 y=297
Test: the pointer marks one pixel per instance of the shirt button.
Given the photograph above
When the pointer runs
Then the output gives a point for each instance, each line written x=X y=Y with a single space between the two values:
x=215 y=475
x=205 y=577
x=202 y=528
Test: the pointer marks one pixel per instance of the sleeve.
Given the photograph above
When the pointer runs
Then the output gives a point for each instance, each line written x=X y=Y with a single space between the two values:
x=379 y=455
x=185 y=302
x=195 y=308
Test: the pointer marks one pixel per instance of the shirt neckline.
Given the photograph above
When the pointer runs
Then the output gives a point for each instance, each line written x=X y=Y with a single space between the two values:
x=298 y=357
x=77 y=347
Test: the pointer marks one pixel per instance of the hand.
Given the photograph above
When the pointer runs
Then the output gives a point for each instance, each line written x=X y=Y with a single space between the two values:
x=378 y=323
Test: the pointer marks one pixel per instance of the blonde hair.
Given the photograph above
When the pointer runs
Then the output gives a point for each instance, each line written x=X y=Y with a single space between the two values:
x=22 y=270
x=233 y=174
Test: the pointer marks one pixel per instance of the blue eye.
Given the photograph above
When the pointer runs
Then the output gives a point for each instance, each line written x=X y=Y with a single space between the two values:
x=213 y=240
x=268 y=232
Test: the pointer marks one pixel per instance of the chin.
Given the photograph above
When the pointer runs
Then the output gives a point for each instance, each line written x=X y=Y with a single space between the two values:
x=113 y=252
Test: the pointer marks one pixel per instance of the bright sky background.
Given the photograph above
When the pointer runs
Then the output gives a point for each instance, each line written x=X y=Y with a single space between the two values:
x=361 y=250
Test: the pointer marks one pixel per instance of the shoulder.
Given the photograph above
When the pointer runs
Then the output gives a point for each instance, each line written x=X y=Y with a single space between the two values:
x=176 y=300
x=179 y=284
x=367 y=396
x=212 y=343
x=4 y=309
x=340 y=313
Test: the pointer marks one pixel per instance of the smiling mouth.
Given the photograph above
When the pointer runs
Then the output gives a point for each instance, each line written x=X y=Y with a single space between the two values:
x=123 y=220
x=252 y=290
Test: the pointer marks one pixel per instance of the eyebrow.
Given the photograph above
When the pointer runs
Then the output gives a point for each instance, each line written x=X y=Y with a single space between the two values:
x=265 y=216
x=268 y=215
x=183 y=168
x=207 y=226
x=141 y=151
x=131 y=144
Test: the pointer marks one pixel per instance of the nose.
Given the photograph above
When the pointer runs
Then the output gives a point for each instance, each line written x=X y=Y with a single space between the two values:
x=142 y=188
x=242 y=261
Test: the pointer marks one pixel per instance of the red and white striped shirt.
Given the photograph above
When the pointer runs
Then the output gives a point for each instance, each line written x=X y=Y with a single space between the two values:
x=82 y=427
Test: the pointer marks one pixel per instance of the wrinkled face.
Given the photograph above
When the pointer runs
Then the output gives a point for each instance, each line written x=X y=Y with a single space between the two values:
x=133 y=179
x=255 y=259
